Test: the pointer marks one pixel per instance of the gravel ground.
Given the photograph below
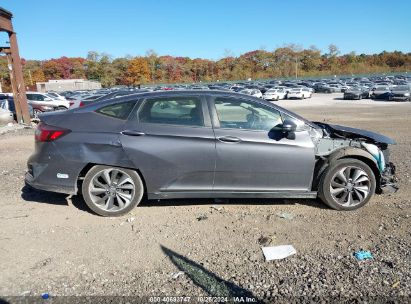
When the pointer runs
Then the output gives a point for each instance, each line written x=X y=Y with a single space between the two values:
x=51 y=243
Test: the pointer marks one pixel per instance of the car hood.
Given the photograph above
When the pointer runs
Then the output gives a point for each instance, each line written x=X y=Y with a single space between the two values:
x=349 y=132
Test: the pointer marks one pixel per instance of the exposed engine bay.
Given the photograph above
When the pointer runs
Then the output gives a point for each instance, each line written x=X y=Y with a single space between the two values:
x=332 y=139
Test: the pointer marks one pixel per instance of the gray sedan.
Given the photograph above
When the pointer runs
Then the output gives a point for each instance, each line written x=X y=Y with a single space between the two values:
x=204 y=144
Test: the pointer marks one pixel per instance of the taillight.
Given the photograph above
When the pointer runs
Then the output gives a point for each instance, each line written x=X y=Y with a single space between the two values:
x=81 y=104
x=71 y=103
x=46 y=132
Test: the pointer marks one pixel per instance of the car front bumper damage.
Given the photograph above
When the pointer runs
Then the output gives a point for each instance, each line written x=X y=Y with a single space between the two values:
x=389 y=182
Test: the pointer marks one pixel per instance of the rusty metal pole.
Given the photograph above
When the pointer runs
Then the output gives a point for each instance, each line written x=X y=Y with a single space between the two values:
x=17 y=71
x=14 y=86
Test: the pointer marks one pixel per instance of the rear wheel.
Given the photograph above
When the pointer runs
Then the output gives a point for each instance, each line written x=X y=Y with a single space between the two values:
x=112 y=191
x=347 y=184
x=61 y=108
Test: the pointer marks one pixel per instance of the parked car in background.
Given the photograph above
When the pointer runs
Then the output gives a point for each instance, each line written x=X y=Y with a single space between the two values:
x=55 y=95
x=252 y=92
x=336 y=87
x=323 y=88
x=380 y=92
x=6 y=116
x=8 y=104
x=83 y=101
x=400 y=92
x=275 y=94
x=44 y=99
x=356 y=93
x=214 y=144
x=299 y=93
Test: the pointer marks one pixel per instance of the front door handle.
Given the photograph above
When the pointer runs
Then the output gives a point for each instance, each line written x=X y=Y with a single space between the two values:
x=229 y=139
x=132 y=133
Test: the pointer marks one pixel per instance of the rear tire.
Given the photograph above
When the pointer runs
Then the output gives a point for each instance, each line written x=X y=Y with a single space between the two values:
x=112 y=191
x=347 y=184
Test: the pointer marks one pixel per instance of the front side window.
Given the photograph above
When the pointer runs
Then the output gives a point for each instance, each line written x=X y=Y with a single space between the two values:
x=173 y=110
x=239 y=114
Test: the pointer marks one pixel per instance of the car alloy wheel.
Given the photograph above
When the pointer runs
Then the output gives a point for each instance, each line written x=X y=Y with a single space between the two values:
x=347 y=184
x=350 y=186
x=112 y=191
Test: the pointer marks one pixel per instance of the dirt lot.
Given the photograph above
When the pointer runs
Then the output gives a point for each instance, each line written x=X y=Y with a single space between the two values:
x=52 y=244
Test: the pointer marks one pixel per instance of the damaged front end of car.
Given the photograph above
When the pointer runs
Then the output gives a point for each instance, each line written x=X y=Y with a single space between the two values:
x=335 y=142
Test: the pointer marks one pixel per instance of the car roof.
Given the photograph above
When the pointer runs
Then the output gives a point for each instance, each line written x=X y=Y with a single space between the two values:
x=183 y=93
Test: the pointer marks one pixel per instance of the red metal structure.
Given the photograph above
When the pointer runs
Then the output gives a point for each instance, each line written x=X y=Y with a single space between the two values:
x=16 y=72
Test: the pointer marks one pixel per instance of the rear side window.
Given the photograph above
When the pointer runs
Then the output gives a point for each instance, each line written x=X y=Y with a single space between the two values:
x=174 y=110
x=118 y=110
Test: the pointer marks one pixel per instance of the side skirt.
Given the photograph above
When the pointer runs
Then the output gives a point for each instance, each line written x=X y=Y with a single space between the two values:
x=232 y=194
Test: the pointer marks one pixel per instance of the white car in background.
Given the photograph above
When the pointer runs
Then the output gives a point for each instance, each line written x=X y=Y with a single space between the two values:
x=76 y=103
x=47 y=100
x=299 y=93
x=55 y=95
x=275 y=94
x=252 y=92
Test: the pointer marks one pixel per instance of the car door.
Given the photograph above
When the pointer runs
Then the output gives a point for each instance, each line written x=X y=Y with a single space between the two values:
x=253 y=153
x=171 y=141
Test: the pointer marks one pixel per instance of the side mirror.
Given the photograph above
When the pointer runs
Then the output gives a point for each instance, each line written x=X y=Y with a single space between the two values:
x=289 y=126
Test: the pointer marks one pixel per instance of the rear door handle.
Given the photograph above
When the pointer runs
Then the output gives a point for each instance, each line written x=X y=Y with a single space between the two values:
x=132 y=133
x=229 y=139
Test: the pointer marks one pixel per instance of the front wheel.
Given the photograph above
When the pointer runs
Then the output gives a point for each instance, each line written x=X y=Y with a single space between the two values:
x=347 y=184
x=112 y=191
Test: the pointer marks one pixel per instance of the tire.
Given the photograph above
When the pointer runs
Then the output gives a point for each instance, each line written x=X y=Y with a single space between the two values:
x=278 y=98
x=337 y=194
x=61 y=108
x=108 y=197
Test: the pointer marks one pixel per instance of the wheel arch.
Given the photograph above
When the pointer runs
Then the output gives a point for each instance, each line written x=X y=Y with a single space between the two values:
x=344 y=153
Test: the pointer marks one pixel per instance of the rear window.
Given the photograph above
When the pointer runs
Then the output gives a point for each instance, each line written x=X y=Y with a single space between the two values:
x=118 y=110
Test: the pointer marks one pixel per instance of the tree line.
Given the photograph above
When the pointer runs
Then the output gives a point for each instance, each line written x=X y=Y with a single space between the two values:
x=283 y=62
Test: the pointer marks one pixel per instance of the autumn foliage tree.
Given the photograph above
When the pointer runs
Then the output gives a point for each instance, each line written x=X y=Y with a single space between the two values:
x=137 y=72
x=282 y=62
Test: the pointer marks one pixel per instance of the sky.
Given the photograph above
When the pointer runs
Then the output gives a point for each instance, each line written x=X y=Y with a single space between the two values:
x=205 y=28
